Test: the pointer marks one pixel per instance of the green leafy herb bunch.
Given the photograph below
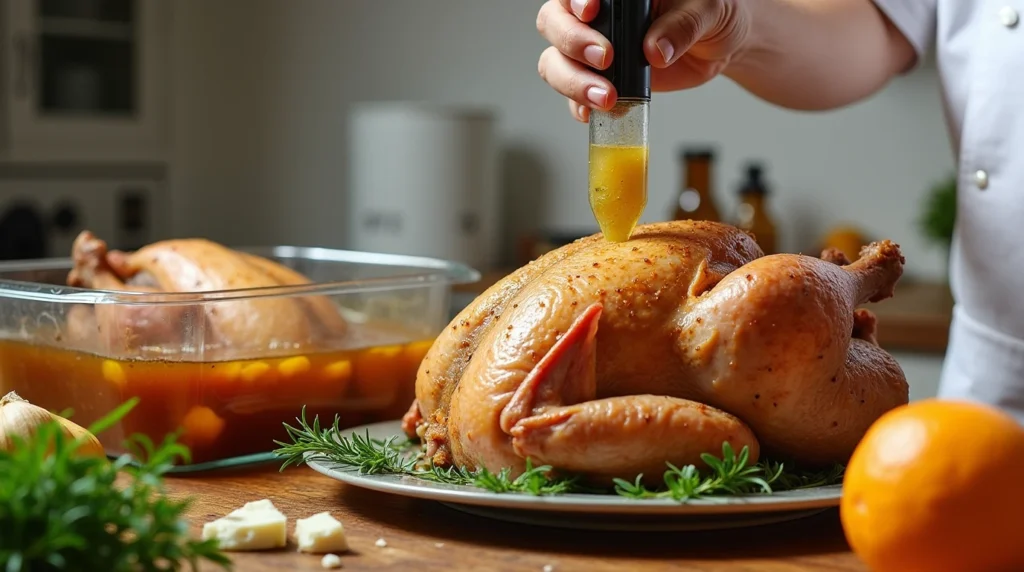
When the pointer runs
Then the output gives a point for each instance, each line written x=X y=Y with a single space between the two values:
x=65 y=511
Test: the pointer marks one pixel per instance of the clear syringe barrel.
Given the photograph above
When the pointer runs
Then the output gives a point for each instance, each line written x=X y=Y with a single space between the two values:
x=624 y=125
x=618 y=167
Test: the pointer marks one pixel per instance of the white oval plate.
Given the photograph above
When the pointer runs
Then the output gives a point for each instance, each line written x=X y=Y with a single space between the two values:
x=586 y=510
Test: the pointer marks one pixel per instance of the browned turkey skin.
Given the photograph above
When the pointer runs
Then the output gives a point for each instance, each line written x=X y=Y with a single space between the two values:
x=194 y=265
x=611 y=359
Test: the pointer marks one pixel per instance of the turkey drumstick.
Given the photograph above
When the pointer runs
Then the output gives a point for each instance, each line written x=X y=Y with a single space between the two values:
x=773 y=343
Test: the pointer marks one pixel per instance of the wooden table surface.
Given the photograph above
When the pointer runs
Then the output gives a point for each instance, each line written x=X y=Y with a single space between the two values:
x=426 y=536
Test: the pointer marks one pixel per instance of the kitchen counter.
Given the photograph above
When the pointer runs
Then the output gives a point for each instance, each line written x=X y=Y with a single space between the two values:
x=425 y=535
x=916 y=319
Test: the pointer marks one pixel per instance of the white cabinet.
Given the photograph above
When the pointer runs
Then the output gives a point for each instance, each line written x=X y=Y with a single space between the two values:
x=85 y=79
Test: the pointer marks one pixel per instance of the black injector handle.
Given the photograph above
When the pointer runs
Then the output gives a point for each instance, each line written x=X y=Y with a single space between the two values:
x=625 y=23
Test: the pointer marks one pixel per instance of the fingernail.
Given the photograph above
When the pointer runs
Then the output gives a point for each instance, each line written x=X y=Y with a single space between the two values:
x=666 y=49
x=594 y=55
x=578 y=6
x=597 y=95
x=580 y=111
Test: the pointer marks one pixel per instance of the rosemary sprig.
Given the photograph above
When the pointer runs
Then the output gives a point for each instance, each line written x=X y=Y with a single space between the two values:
x=391 y=456
x=370 y=456
x=732 y=474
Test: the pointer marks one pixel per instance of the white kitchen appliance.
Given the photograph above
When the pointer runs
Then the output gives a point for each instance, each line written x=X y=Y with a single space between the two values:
x=44 y=207
x=424 y=181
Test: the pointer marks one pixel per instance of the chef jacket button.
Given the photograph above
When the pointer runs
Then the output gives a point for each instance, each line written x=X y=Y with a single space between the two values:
x=981 y=179
x=1009 y=17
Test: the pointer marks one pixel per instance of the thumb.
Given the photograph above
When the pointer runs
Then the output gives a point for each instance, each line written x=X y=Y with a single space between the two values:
x=676 y=31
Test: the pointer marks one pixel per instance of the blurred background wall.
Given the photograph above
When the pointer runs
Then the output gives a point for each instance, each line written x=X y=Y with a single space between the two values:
x=230 y=119
x=263 y=88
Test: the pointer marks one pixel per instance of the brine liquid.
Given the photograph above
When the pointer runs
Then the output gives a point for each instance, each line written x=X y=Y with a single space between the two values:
x=618 y=188
x=223 y=409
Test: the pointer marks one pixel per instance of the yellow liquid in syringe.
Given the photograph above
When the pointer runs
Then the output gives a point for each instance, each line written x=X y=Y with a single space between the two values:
x=618 y=188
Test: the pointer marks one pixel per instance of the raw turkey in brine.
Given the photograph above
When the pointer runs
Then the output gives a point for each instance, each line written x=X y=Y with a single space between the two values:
x=194 y=266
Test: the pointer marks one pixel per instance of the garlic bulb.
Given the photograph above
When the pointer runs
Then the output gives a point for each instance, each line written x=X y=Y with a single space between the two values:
x=20 y=418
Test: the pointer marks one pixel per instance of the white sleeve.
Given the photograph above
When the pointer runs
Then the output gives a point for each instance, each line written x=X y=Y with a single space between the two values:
x=915 y=19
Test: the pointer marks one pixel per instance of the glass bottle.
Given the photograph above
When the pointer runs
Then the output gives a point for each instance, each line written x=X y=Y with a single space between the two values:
x=752 y=212
x=695 y=200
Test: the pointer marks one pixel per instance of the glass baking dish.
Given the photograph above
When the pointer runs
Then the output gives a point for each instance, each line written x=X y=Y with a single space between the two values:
x=90 y=350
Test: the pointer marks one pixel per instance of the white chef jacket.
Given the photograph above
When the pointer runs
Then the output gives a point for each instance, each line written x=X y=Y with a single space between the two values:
x=979 y=48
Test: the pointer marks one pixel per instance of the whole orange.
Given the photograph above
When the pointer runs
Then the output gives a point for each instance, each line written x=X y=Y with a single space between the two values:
x=937 y=485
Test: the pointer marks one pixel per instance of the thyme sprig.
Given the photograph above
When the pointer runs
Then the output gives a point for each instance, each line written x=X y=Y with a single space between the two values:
x=731 y=474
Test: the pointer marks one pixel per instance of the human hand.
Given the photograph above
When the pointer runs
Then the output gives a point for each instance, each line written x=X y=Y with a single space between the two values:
x=688 y=44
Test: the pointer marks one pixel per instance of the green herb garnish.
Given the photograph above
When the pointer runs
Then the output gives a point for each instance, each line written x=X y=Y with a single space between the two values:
x=732 y=474
x=729 y=475
x=64 y=511
x=392 y=457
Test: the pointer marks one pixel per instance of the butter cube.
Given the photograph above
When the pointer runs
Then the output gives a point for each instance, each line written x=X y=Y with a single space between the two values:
x=320 y=533
x=258 y=525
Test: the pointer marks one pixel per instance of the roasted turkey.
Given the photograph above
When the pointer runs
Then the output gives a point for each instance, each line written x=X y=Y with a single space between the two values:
x=610 y=359
x=193 y=266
